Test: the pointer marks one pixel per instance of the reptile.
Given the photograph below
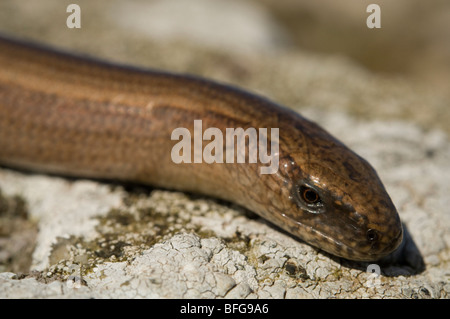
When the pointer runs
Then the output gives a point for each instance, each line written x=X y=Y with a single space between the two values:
x=62 y=113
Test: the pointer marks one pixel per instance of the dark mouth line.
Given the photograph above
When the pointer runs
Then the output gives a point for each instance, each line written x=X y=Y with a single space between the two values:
x=342 y=249
x=350 y=251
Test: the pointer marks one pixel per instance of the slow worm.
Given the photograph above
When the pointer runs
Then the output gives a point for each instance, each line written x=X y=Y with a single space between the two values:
x=77 y=116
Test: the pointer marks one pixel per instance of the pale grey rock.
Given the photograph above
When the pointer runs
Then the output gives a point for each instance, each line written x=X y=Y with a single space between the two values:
x=102 y=241
x=242 y=290
x=223 y=283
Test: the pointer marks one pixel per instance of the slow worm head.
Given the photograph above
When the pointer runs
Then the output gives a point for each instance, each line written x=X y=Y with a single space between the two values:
x=65 y=114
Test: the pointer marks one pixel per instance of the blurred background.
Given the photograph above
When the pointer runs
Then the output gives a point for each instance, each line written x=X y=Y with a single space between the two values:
x=318 y=54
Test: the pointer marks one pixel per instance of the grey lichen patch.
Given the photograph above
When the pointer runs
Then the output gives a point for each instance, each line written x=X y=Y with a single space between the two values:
x=295 y=270
x=276 y=270
x=140 y=222
x=146 y=219
x=122 y=234
x=70 y=259
x=17 y=234
x=239 y=242
x=338 y=273
x=61 y=249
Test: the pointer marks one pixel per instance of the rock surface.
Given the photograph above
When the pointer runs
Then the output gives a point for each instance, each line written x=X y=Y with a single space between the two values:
x=97 y=240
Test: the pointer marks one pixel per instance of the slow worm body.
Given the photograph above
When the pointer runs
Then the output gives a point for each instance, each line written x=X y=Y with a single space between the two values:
x=76 y=116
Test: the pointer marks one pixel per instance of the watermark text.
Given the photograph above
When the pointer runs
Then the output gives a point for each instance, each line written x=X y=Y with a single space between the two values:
x=234 y=145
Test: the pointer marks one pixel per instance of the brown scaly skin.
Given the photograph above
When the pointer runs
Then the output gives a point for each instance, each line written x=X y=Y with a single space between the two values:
x=75 y=116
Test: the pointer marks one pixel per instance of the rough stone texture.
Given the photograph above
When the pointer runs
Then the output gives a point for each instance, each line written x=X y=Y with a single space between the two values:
x=110 y=240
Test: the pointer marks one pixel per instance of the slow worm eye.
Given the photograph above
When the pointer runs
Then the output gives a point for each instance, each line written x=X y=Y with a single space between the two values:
x=309 y=199
x=309 y=195
x=372 y=235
